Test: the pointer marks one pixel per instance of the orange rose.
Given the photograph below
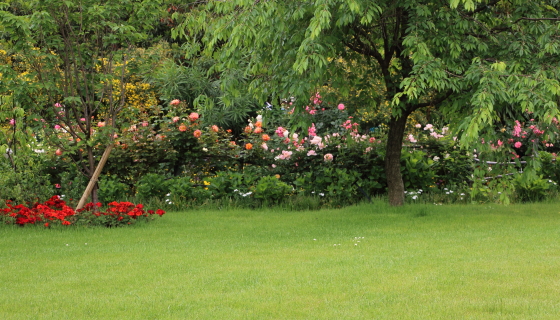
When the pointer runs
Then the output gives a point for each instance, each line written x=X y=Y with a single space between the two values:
x=258 y=124
x=182 y=128
x=215 y=128
x=197 y=133
x=248 y=146
x=258 y=130
x=248 y=129
x=265 y=137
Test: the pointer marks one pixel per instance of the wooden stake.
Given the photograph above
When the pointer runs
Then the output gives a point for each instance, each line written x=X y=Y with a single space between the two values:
x=95 y=176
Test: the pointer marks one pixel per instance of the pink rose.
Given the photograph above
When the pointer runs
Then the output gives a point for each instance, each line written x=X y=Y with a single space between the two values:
x=175 y=102
x=518 y=144
x=328 y=157
x=341 y=107
x=193 y=116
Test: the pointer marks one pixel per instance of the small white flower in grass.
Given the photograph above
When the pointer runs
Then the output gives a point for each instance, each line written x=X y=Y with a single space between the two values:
x=205 y=149
x=322 y=194
x=462 y=194
x=444 y=188
x=436 y=158
x=414 y=197
x=447 y=192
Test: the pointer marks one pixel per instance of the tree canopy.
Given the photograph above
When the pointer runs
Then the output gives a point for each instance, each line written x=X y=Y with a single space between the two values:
x=474 y=60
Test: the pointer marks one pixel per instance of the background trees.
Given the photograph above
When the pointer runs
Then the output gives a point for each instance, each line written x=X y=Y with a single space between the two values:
x=75 y=56
x=471 y=59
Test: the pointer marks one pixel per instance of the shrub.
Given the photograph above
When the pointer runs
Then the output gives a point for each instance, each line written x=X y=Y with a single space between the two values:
x=271 y=189
x=111 y=189
x=151 y=186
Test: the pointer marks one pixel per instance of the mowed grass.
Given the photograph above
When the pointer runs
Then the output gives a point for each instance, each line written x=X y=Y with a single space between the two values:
x=363 y=262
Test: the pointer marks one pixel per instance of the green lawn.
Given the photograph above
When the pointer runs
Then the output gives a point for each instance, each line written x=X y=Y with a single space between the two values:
x=414 y=262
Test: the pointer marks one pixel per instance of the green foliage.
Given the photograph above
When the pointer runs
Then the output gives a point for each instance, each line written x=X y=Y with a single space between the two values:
x=28 y=184
x=531 y=188
x=550 y=168
x=224 y=183
x=152 y=186
x=417 y=170
x=181 y=190
x=271 y=189
x=111 y=189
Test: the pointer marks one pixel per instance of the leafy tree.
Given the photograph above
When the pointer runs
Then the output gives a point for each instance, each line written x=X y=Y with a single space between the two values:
x=472 y=59
x=74 y=52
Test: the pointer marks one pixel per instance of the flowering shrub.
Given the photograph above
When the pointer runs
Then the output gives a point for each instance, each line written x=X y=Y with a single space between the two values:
x=55 y=212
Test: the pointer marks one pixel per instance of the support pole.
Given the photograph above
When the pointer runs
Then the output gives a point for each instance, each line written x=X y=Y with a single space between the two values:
x=95 y=176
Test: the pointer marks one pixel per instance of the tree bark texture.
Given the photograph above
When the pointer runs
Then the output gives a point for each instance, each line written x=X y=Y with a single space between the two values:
x=393 y=154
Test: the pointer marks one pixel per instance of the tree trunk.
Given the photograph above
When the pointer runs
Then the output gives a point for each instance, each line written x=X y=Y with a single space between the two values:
x=395 y=183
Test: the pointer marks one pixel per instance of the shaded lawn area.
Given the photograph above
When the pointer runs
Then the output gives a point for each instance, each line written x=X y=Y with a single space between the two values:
x=362 y=262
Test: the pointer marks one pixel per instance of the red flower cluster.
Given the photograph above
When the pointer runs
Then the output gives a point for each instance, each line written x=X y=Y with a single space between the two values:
x=56 y=210
x=53 y=209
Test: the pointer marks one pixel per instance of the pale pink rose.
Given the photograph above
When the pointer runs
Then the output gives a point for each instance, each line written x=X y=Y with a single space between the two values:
x=175 y=102
x=418 y=126
x=315 y=140
x=311 y=153
x=264 y=146
x=193 y=116
x=101 y=124
x=175 y=119
x=328 y=157
x=145 y=124
x=83 y=119
x=58 y=105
